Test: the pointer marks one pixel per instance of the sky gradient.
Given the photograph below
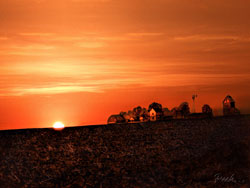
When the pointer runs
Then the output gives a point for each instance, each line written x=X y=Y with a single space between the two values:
x=79 y=61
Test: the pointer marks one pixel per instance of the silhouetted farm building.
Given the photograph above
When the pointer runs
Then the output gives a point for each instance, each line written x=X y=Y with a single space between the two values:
x=127 y=117
x=113 y=119
x=229 y=107
x=156 y=112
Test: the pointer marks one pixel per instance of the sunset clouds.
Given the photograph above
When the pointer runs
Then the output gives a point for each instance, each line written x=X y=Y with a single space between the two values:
x=94 y=62
x=98 y=46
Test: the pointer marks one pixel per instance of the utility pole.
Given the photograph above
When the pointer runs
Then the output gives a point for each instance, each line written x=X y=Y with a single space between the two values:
x=193 y=97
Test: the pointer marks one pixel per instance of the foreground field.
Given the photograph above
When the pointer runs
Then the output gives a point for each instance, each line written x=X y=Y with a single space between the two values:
x=176 y=153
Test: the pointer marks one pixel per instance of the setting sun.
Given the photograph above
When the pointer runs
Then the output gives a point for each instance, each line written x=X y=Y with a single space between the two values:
x=58 y=125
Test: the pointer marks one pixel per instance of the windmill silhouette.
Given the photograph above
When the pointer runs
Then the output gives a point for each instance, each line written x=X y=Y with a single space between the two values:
x=194 y=97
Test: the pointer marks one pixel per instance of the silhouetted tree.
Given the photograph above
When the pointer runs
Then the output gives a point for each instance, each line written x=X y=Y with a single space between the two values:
x=144 y=113
x=156 y=106
x=184 y=109
x=166 y=112
x=131 y=114
x=174 y=111
x=137 y=110
x=207 y=109
x=122 y=113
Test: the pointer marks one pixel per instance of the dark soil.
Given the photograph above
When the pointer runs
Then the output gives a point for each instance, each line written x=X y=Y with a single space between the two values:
x=175 y=153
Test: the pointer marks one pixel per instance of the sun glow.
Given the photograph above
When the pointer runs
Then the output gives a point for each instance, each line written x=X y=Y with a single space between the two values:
x=58 y=125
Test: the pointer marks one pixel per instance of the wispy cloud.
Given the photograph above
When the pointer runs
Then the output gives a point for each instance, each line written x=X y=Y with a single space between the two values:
x=146 y=34
x=115 y=38
x=90 y=44
x=33 y=47
x=3 y=38
x=101 y=1
x=52 y=90
x=63 y=77
x=205 y=37
x=68 y=38
x=30 y=54
x=37 y=34
x=29 y=50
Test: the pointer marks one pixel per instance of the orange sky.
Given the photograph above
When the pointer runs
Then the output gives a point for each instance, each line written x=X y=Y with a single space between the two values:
x=78 y=61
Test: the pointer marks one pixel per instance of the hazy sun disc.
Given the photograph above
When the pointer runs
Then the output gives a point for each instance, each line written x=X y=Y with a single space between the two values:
x=58 y=125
